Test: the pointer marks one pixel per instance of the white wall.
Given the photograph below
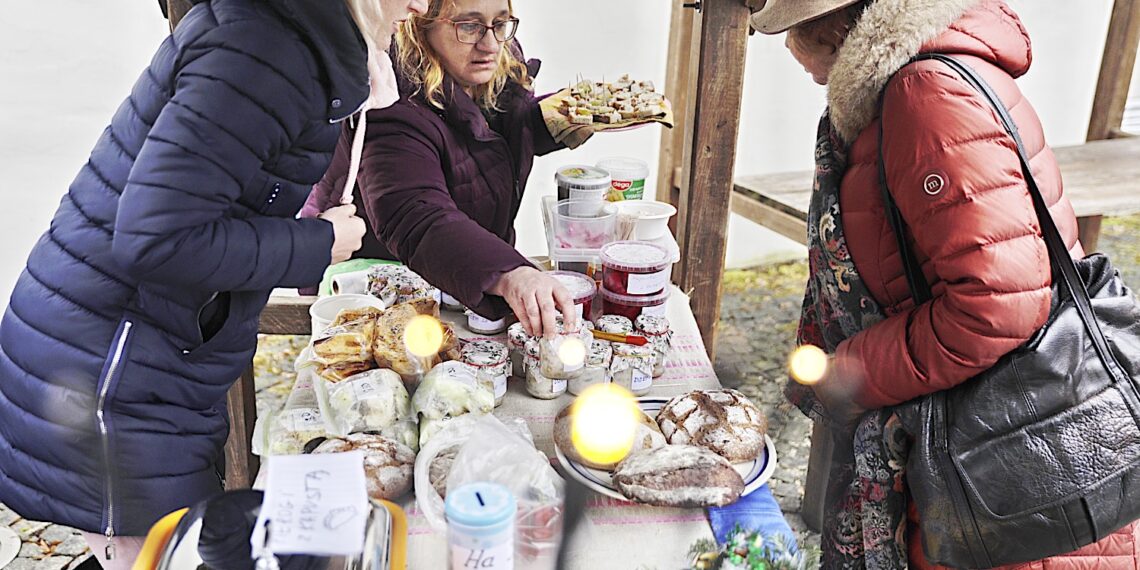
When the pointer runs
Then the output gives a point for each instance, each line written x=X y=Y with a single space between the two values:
x=65 y=65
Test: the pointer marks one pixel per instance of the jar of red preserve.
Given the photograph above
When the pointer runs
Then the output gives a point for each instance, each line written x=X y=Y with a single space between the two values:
x=632 y=307
x=581 y=288
x=635 y=268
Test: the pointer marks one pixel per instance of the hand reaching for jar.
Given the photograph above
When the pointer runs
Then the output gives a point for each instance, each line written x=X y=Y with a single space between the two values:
x=536 y=299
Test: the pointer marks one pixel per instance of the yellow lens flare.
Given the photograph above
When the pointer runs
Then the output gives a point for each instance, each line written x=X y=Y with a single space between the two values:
x=423 y=336
x=603 y=423
x=572 y=353
x=808 y=364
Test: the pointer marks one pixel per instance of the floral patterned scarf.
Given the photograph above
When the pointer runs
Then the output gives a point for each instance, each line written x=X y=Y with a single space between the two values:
x=865 y=512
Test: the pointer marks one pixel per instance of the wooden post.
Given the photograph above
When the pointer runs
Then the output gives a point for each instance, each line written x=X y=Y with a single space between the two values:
x=1112 y=91
x=1115 y=70
x=241 y=464
x=677 y=91
x=710 y=156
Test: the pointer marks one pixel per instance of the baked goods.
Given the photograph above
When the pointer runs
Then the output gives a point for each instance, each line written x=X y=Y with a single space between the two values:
x=450 y=390
x=622 y=101
x=373 y=401
x=648 y=437
x=723 y=421
x=440 y=468
x=678 y=476
x=388 y=348
x=387 y=464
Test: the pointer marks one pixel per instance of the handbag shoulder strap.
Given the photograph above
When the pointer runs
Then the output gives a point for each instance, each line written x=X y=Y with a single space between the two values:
x=1063 y=268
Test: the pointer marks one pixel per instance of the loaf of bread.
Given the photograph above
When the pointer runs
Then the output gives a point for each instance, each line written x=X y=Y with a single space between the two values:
x=648 y=437
x=387 y=465
x=678 y=476
x=389 y=349
x=723 y=421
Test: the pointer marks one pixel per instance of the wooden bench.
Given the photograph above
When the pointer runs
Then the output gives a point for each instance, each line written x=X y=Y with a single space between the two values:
x=1102 y=178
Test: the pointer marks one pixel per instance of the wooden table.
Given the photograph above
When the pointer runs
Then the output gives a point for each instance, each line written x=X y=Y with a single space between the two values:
x=1101 y=178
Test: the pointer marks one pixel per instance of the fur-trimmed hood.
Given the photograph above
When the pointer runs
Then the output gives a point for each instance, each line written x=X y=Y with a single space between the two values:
x=890 y=32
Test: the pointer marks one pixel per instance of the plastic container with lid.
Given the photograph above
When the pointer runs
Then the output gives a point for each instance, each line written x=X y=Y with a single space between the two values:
x=632 y=367
x=481 y=527
x=657 y=331
x=628 y=177
x=583 y=225
x=450 y=303
x=597 y=368
x=635 y=268
x=578 y=181
x=633 y=307
x=516 y=347
x=491 y=363
x=583 y=289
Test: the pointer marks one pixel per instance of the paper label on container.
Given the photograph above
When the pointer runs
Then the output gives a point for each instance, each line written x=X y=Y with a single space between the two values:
x=483 y=323
x=303 y=419
x=640 y=380
x=658 y=311
x=647 y=283
x=366 y=389
x=500 y=386
x=558 y=386
x=314 y=504
x=497 y=557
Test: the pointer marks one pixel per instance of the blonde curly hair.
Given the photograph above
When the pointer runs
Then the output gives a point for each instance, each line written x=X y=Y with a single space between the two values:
x=422 y=67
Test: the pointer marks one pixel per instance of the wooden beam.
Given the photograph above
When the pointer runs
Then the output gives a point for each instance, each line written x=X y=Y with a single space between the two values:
x=778 y=221
x=710 y=155
x=677 y=91
x=287 y=315
x=1115 y=70
x=241 y=464
x=176 y=9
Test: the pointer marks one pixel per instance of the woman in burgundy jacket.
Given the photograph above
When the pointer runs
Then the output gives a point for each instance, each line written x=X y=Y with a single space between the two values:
x=442 y=171
x=956 y=178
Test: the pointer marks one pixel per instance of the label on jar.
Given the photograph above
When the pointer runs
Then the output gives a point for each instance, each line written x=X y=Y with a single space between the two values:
x=476 y=321
x=558 y=386
x=639 y=380
x=497 y=557
x=658 y=311
x=500 y=386
x=303 y=419
x=647 y=283
x=581 y=310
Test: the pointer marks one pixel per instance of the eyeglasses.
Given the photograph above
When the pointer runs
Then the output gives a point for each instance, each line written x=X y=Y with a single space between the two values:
x=472 y=32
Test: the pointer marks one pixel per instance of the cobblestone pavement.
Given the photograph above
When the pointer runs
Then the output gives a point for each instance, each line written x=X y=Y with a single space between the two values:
x=759 y=311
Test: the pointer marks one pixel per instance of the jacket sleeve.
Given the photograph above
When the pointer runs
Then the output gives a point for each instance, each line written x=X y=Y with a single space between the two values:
x=957 y=180
x=412 y=212
x=239 y=100
x=328 y=191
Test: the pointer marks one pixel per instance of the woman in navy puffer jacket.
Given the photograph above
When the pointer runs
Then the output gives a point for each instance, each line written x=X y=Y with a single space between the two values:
x=139 y=306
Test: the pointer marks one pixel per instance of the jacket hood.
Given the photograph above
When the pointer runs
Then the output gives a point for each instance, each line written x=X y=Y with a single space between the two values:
x=340 y=49
x=890 y=32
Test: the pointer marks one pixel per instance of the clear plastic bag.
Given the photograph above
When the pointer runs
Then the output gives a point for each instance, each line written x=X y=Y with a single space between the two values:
x=375 y=401
x=298 y=422
x=490 y=451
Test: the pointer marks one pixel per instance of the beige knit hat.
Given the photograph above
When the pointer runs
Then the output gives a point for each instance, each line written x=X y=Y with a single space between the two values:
x=778 y=15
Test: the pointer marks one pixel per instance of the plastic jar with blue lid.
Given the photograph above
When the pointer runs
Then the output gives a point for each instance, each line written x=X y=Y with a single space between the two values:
x=481 y=527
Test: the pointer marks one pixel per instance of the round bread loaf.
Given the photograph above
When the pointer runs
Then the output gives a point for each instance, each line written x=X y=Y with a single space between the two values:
x=678 y=476
x=724 y=421
x=440 y=468
x=648 y=437
x=387 y=464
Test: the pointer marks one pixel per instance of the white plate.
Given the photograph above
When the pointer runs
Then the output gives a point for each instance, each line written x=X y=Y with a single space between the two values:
x=755 y=473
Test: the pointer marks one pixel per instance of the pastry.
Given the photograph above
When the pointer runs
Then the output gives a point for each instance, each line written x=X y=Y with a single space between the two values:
x=648 y=437
x=723 y=421
x=387 y=464
x=678 y=476
x=388 y=348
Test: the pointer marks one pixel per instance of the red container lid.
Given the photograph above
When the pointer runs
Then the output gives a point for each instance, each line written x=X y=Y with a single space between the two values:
x=581 y=288
x=635 y=256
x=638 y=301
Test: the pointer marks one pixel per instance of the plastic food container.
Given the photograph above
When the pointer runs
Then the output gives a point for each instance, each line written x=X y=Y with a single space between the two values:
x=450 y=303
x=579 y=224
x=635 y=268
x=656 y=330
x=632 y=367
x=632 y=307
x=628 y=177
x=650 y=218
x=482 y=325
x=516 y=347
x=582 y=182
x=481 y=527
x=597 y=368
x=491 y=364
x=583 y=289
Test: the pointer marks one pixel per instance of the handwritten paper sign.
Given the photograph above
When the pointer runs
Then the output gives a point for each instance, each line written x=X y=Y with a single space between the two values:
x=314 y=504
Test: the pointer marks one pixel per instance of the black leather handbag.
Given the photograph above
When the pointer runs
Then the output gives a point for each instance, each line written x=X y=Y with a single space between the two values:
x=1040 y=454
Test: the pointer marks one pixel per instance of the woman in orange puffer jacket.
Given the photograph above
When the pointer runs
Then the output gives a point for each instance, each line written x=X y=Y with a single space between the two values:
x=956 y=178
